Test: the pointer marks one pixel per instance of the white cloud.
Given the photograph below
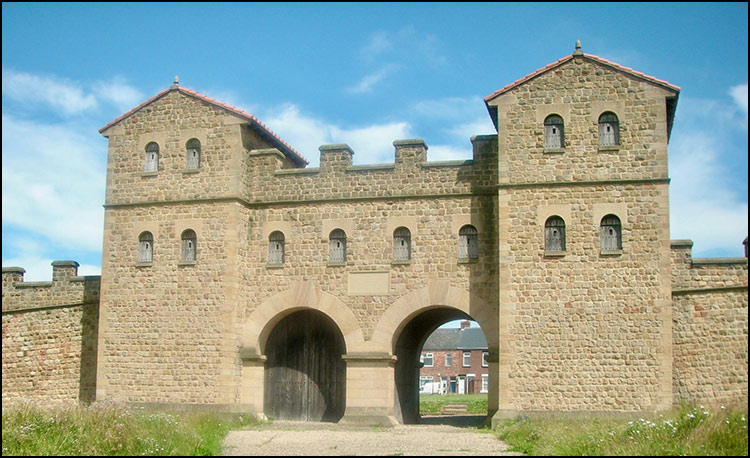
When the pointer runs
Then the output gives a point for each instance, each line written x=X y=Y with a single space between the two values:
x=53 y=182
x=705 y=205
x=371 y=144
x=119 y=94
x=739 y=95
x=367 y=83
x=58 y=94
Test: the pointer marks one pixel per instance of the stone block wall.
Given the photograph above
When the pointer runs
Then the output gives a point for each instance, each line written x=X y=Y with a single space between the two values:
x=50 y=332
x=710 y=302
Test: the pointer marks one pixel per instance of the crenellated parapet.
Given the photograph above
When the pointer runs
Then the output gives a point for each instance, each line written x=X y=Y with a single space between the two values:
x=67 y=288
x=410 y=175
x=691 y=274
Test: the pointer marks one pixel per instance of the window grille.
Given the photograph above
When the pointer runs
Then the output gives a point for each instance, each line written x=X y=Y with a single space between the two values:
x=609 y=129
x=189 y=245
x=611 y=233
x=553 y=132
x=554 y=234
x=152 y=158
x=193 y=154
x=276 y=248
x=146 y=247
x=337 y=247
x=401 y=244
x=467 y=243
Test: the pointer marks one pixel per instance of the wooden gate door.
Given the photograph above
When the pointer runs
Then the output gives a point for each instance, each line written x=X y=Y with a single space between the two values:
x=305 y=377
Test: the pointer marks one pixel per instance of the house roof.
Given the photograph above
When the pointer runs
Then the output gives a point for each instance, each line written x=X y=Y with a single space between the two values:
x=252 y=121
x=456 y=339
x=671 y=104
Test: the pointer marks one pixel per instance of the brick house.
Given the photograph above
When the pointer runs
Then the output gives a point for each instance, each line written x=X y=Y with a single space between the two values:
x=454 y=361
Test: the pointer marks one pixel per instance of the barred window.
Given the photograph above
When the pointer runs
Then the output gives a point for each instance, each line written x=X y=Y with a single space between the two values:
x=276 y=248
x=189 y=245
x=337 y=246
x=554 y=234
x=553 y=132
x=609 y=129
x=145 y=247
x=611 y=233
x=467 y=243
x=401 y=244
x=152 y=158
x=193 y=153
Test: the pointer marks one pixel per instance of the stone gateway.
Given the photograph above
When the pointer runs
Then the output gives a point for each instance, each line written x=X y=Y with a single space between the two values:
x=235 y=278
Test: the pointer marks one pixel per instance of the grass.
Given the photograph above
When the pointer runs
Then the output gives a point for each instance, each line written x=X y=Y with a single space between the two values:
x=432 y=404
x=110 y=429
x=688 y=430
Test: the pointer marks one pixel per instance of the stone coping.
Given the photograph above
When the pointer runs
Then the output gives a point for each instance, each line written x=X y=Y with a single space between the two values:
x=459 y=163
x=708 y=261
x=681 y=243
x=14 y=270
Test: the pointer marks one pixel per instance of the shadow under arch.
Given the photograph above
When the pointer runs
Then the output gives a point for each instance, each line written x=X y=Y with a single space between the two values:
x=406 y=325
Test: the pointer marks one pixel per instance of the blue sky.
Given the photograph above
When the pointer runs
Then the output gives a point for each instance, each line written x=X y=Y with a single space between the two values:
x=362 y=74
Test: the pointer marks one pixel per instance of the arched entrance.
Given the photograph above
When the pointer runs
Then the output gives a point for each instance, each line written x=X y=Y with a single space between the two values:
x=408 y=348
x=305 y=376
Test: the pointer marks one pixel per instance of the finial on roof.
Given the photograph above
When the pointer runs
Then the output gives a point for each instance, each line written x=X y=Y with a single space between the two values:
x=578 y=51
x=176 y=82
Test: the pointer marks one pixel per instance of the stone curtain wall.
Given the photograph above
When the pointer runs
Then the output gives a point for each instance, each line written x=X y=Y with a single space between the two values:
x=710 y=301
x=50 y=332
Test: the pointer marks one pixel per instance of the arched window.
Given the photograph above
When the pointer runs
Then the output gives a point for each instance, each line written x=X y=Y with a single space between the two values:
x=554 y=137
x=276 y=248
x=189 y=245
x=145 y=247
x=193 y=153
x=337 y=247
x=609 y=129
x=152 y=158
x=611 y=233
x=554 y=234
x=467 y=242
x=401 y=244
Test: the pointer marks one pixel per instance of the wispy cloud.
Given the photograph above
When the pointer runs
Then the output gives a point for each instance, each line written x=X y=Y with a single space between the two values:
x=367 y=83
x=371 y=143
x=57 y=94
x=705 y=204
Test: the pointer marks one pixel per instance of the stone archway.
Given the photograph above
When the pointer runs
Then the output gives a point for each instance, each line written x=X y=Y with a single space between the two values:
x=405 y=326
x=305 y=376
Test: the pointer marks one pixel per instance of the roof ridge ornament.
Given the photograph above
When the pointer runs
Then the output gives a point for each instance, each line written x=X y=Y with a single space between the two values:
x=578 y=51
x=176 y=82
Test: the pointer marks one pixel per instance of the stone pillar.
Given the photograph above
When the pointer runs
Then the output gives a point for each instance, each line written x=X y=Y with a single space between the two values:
x=64 y=270
x=410 y=153
x=12 y=275
x=252 y=384
x=369 y=389
x=335 y=158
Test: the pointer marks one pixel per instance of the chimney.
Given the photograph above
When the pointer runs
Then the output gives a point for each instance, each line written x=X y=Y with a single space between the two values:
x=465 y=324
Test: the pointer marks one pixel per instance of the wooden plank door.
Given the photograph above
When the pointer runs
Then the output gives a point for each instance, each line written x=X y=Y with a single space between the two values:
x=305 y=376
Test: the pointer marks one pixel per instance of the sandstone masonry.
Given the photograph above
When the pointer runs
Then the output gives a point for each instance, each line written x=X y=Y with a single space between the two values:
x=584 y=328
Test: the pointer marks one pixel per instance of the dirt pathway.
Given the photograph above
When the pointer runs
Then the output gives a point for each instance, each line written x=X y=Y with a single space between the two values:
x=436 y=436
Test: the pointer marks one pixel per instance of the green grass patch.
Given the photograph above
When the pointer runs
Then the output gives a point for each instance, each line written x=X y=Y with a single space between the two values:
x=688 y=430
x=432 y=404
x=111 y=429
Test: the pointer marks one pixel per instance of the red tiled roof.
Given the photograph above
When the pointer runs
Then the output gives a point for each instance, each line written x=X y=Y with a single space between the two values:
x=283 y=146
x=591 y=57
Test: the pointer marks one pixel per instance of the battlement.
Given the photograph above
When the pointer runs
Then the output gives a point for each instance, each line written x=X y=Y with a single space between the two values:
x=337 y=178
x=705 y=274
x=67 y=288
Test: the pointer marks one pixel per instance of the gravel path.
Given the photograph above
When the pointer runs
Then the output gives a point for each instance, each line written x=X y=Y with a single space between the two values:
x=436 y=436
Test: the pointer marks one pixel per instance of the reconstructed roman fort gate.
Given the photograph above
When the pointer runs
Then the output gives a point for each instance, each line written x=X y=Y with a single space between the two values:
x=236 y=279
